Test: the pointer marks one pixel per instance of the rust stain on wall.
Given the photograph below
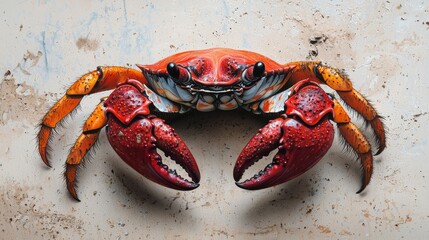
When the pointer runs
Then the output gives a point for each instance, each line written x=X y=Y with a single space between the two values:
x=23 y=217
x=87 y=44
x=21 y=102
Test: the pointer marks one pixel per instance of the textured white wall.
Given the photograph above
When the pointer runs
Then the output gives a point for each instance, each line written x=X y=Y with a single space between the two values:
x=46 y=45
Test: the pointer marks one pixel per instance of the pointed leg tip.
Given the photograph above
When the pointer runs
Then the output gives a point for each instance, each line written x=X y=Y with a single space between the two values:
x=70 y=175
x=380 y=150
x=43 y=142
x=76 y=198
x=46 y=161
x=72 y=191
x=364 y=185
x=360 y=190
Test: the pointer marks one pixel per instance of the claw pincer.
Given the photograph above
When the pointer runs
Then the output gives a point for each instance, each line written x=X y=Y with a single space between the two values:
x=303 y=136
x=135 y=135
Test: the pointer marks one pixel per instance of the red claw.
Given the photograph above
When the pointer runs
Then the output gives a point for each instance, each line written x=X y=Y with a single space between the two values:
x=172 y=145
x=135 y=140
x=259 y=146
x=302 y=139
x=299 y=148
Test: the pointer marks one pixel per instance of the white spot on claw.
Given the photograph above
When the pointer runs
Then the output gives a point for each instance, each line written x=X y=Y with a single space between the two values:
x=138 y=138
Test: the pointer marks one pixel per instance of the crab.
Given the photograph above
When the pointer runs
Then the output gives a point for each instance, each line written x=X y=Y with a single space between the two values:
x=217 y=79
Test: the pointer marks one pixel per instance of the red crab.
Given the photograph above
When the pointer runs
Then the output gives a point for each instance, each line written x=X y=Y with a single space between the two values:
x=207 y=80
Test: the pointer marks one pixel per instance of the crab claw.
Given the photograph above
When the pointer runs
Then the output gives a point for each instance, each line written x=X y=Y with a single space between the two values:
x=136 y=144
x=135 y=136
x=300 y=147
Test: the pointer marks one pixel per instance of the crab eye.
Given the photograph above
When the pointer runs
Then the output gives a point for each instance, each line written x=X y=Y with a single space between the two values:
x=173 y=70
x=258 y=69
x=255 y=72
x=177 y=73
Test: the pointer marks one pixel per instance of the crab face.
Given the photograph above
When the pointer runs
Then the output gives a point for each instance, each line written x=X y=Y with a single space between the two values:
x=215 y=78
x=207 y=69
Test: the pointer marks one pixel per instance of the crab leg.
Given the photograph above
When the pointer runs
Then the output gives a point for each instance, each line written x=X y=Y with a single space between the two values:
x=358 y=102
x=104 y=78
x=91 y=129
x=355 y=138
x=339 y=81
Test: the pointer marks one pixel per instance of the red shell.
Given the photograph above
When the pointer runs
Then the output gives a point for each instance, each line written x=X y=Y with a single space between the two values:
x=309 y=102
x=127 y=101
x=214 y=67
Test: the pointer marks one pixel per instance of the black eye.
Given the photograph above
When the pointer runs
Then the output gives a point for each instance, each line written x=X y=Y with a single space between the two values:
x=255 y=72
x=173 y=70
x=179 y=74
x=258 y=69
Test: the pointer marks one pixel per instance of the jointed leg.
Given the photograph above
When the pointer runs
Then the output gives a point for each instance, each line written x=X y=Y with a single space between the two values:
x=91 y=129
x=61 y=109
x=339 y=81
x=355 y=138
x=355 y=100
x=104 y=78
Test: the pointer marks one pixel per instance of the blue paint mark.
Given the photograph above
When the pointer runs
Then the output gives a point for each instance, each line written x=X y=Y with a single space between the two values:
x=225 y=8
x=125 y=10
x=143 y=38
x=93 y=17
x=124 y=42
x=45 y=54
x=112 y=8
x=226 y=14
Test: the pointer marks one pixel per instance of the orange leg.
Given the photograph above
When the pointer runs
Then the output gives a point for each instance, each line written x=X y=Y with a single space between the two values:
x=339 y=81
x=91 y=129
x=355 y=138
x=104 y=78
